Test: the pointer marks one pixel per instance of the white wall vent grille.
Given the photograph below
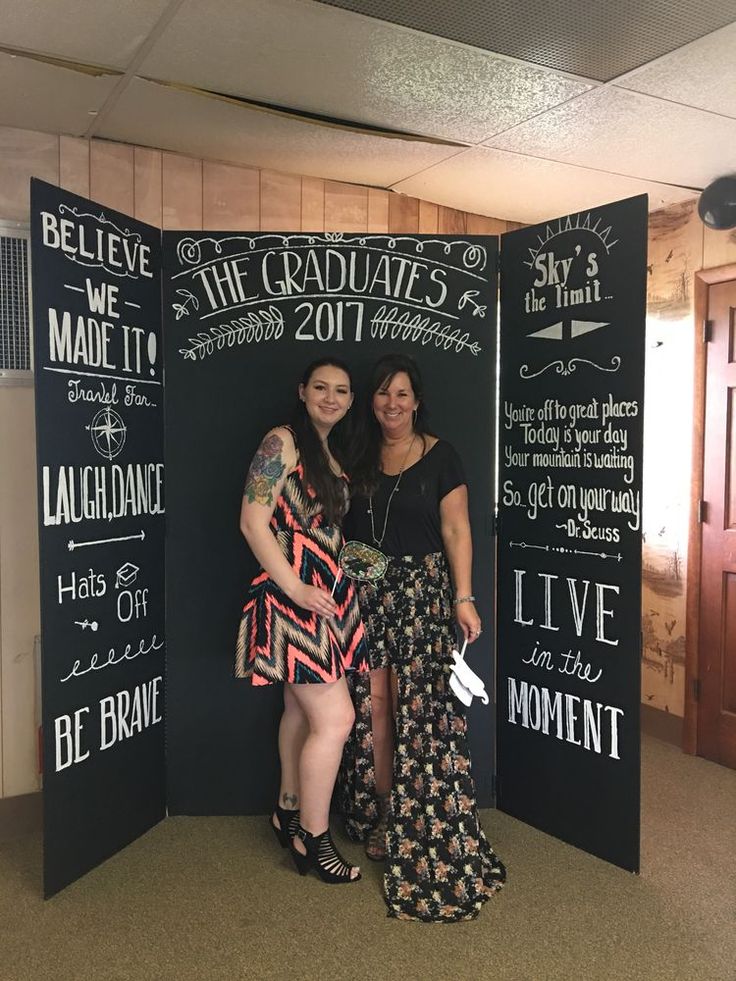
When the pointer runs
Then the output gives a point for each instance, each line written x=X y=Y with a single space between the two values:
x=16 y=347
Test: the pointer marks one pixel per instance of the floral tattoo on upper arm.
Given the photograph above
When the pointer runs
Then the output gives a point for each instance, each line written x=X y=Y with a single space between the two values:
x=265 y=471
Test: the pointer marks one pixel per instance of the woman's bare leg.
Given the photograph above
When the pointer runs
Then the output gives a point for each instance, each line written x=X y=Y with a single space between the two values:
x=293 y=731
x=382 y=721
x=330 y=716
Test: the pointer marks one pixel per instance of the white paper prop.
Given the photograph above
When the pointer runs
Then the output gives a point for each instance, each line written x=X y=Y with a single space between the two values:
x=464 y=681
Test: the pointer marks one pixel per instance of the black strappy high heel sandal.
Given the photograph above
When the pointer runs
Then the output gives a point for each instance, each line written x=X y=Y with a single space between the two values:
x=323 y=857
x=288 y=824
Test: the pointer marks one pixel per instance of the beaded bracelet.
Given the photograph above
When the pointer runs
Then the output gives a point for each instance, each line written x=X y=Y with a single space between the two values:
x=464 y=599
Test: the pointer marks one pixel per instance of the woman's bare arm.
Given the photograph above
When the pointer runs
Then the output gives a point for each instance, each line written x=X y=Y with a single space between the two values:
x=458 y=542
x=274 y=459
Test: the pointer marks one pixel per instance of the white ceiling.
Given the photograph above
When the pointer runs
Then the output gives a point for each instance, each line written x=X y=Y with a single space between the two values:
x=481 y=131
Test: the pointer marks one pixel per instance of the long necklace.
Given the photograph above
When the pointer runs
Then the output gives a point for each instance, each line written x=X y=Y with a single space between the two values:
x=379 y=541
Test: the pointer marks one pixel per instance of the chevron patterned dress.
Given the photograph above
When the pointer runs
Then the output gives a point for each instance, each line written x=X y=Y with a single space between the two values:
x=280 y=641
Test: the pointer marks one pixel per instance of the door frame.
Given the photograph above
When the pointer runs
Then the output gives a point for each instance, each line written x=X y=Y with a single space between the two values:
x=704 y=279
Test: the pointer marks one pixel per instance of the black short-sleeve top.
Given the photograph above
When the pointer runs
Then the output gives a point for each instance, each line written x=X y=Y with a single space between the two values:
x=413 y=526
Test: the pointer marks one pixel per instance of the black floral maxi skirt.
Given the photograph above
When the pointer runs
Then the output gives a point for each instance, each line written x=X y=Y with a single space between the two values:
x=439 y=864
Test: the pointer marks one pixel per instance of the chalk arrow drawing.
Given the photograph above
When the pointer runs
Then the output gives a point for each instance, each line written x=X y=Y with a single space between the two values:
x=554 y=331
x=578 y=327
x=557 y=332
x=104 y=541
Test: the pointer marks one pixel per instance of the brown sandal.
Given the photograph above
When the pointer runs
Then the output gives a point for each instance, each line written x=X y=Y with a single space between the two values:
x=375 y=844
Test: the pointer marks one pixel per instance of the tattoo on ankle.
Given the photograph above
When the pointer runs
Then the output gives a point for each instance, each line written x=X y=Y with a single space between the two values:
x=290 y=801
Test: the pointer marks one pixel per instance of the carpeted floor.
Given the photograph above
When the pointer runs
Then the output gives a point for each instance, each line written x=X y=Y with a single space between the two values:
x=215 y=899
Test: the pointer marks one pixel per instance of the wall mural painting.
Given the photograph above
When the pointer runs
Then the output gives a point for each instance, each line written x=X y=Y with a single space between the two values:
x=675 y=246
x=675 y=250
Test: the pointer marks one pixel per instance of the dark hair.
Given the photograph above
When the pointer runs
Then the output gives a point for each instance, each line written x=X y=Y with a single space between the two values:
x=317 y=471
x=366 y=462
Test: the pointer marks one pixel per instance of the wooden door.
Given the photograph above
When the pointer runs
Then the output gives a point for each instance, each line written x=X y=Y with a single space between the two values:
x=717 y=642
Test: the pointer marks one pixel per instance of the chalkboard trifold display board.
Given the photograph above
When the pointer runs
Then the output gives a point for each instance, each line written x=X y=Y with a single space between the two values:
x=243 y=314
x=99 y=425
x=573 y=304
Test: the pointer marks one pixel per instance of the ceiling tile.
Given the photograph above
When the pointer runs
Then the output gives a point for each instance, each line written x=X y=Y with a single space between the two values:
x=97 y=32
x=687 y=75
x=598 y=40
x=155 y=115
x=318 y=59
x=37 y=96
x=505 y=185
x=623 y=132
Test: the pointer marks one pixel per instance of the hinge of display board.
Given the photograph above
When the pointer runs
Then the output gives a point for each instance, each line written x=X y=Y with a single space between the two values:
x=495 y=523
x=696 y=689
x=494 y=786
x=702 y=511
x=707 y=331
x=498 y=261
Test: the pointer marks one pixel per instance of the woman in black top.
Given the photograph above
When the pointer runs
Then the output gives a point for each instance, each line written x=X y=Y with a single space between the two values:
x=407 y=789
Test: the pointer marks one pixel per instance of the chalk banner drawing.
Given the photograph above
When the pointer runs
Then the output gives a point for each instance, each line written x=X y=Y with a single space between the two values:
x=99 y=422
x=245 y=289
x=569 y=551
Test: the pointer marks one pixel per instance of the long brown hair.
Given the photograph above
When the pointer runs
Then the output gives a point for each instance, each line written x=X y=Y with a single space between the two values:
x=366 y=461
x=317 y=471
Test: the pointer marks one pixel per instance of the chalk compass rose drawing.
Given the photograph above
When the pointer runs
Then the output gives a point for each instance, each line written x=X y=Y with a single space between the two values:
x=108 y=432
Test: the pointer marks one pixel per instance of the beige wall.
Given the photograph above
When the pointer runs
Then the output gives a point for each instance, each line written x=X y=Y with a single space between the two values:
x=173 y=191
x=19 y=605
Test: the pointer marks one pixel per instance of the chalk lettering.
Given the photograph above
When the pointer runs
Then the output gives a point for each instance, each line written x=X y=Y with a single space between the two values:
x=125 y=715
x=535 y=708
x=86 y=343
x=93 y=493
x=99 y=394
x=97 y=246
x=91 y=585
x=578 y=604
x=289 y=273
x=68 y=739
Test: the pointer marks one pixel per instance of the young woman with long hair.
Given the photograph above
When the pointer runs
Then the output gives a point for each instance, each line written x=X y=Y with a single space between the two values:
x=301 y=624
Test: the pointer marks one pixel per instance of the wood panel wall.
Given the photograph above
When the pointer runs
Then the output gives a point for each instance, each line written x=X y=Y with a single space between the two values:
x=174 y=192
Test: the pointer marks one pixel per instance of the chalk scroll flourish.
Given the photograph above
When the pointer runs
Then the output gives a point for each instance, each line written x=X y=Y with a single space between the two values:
x=564 y=369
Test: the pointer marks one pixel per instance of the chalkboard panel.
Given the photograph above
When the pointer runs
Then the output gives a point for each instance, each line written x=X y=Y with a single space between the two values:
x=569 y=550
x=244 y=314
x=99 y=422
